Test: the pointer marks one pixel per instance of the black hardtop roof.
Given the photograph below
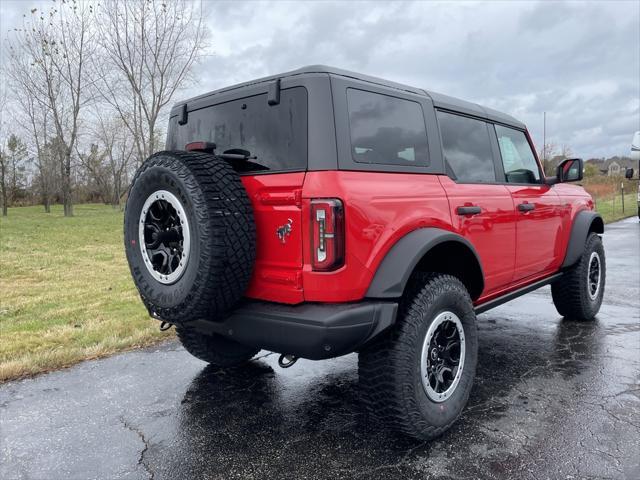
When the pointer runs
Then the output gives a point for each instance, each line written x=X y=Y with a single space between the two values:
x=439 y=100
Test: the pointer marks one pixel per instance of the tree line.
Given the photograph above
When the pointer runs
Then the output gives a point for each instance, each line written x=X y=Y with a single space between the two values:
x=87 y=88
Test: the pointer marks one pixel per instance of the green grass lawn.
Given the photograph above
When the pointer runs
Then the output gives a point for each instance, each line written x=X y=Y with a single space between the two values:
x=611 y=209
x=65 y=290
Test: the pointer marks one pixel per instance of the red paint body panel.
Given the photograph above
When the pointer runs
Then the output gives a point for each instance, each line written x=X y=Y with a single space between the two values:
x=492 y=232
x=380 y=208
x=276 y=199
x=538 y=232
x=515 y=248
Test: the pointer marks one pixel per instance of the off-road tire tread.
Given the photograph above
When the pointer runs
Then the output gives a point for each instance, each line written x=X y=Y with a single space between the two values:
x=225 y=218
x=569 y=292
x=383 y=394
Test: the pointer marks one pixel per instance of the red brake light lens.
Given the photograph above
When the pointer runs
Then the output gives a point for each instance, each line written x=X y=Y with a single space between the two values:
x=200 y=147
x=327 y=234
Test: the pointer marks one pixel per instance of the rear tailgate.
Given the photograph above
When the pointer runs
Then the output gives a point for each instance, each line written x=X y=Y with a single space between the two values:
x=277 y=207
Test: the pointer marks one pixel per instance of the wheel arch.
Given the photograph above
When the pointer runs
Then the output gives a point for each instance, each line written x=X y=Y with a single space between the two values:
x=427 y=250
x=584 y=223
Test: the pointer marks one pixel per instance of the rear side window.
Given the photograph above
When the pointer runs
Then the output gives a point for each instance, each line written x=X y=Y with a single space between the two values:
x=520 y=166
x=467 y=148
x=386 y=130
x=276 y=135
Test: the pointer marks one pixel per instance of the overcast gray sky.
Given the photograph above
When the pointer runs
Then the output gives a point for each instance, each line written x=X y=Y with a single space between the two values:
x=578 y=61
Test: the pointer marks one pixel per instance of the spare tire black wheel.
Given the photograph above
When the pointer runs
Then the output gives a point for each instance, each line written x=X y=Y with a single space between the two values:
x=189 y=236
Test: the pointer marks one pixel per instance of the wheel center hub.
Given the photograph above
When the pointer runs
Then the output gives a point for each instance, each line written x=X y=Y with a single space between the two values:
x=164 y=236
x=593 y=275
x=443 y=354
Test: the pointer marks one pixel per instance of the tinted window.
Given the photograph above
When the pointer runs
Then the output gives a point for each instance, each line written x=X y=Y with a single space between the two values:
x=467 y=148
x=520 y=165
x=386 y=130
x=276 y=135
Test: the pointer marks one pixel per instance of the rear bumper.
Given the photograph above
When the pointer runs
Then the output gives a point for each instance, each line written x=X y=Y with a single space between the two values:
x=309 y=330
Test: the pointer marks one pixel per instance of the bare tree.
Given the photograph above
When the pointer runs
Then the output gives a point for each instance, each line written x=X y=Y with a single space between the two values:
x=16 y=156
x=546 y=154
x=119 y=151
x=566 y=151
x=48 y=58
x=148 y=50
x=3 y=180
x=3 y=164
x=93 y=163
x=34 y=116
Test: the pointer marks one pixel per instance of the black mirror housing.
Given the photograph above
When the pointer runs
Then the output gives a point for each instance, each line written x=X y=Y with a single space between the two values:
x=570 y=170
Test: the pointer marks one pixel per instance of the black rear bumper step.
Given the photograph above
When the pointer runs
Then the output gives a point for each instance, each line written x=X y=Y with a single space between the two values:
x=321 y=330
x=310 y=330
x=516 y=293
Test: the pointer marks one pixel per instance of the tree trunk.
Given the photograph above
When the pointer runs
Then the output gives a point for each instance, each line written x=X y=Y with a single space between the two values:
x=4 y=190
x=66 y=186
x=46 y=198
x=116 y=193
x=46 y=202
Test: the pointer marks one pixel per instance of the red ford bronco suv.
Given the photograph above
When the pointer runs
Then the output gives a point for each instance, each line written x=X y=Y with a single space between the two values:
x=321 y=212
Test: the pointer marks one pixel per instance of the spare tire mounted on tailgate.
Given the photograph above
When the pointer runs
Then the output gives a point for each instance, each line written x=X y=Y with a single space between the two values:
x=189 y=235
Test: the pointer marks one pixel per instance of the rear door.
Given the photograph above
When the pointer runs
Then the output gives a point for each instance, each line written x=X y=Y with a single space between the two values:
x=537 y=206
x=482 y=210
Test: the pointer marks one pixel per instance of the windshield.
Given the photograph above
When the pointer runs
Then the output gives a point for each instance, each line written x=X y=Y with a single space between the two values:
x=275 y=134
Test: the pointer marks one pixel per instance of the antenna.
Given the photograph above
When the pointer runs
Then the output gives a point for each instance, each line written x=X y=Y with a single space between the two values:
x=544 y=142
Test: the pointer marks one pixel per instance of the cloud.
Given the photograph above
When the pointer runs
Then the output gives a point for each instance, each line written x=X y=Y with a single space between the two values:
x=579 y=62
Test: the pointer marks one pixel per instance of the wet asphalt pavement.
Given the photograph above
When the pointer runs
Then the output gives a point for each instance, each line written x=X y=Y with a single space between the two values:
x=552 y=399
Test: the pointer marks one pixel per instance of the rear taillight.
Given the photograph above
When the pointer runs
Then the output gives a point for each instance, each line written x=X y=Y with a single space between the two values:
x=327 y=234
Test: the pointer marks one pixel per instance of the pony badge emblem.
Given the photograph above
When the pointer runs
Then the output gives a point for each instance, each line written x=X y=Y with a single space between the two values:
x=284 y=231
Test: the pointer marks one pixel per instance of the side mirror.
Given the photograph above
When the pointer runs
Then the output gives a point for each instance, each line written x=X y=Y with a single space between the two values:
x=570 y=170
x=628 y=174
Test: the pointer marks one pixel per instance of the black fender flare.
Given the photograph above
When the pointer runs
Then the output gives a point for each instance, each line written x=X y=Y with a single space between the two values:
x=586 y=221
x=394 y=271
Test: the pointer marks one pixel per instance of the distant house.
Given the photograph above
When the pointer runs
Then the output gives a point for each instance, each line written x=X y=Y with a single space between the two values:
x=614 y=169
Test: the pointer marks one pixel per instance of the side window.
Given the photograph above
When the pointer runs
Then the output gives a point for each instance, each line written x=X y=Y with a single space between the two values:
x=386 y=130
x=467 y=148
x=520 y=164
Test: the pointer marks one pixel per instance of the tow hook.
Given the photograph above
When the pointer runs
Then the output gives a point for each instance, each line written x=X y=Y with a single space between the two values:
x=164 y=326
x=286 y=361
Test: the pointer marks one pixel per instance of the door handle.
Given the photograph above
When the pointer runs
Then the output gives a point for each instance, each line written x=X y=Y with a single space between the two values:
x=474 y=210
x=526 y=207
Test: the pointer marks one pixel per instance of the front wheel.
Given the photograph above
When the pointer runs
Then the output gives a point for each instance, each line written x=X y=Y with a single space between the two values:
x=578 y=294
x=417 y=377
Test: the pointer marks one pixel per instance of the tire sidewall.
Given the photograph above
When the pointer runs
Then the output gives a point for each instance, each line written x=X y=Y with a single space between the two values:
x=158 y=174
x=592 y=306
x=441 y=414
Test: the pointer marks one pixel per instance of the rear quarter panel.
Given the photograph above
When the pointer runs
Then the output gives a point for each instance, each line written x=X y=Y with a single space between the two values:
x=380 y=208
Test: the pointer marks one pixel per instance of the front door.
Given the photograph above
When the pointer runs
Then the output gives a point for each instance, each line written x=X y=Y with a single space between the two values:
x=537 y=206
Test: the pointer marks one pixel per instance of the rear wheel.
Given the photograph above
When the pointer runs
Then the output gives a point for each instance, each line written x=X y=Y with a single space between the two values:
x=417 y=377
x=578 y=294
x=214 y=349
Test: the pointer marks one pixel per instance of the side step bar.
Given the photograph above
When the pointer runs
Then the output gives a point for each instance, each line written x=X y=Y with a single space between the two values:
x=483 y=307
